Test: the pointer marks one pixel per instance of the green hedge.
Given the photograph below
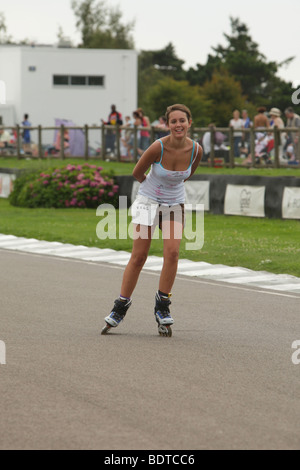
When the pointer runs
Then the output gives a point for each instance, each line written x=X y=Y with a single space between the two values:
x=71 y=186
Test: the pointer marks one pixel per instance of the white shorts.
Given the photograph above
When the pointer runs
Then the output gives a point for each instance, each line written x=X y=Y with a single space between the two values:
x=146 y=211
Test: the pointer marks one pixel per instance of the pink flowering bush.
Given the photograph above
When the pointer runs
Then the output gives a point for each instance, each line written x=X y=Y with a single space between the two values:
x=72 y=186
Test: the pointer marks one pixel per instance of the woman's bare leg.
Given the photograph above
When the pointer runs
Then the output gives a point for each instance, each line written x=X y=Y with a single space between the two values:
x=141 y=245
x=172 y=233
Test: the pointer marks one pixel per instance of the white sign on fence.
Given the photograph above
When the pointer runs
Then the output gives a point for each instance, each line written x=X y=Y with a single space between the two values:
x=291 y=203
x=6 y=184
x=197 y=192
x=245 y=200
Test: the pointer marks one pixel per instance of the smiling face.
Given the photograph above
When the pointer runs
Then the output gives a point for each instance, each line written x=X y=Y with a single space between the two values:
x=178 y=123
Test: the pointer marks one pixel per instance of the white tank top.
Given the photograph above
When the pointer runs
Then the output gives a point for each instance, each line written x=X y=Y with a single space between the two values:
x=166 y=186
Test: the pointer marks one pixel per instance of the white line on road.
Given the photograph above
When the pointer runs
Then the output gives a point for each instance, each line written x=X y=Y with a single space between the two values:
x=217 y=282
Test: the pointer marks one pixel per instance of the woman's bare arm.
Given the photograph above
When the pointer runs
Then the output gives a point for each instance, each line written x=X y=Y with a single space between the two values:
x=196 y=161
x=149 y=156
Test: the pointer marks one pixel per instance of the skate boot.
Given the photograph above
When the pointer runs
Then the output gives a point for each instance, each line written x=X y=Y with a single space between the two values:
x=162 y=314
x=117 y=314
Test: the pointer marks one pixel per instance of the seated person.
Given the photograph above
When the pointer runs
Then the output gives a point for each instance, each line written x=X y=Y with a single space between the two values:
x=5 y=138
x=221 y=150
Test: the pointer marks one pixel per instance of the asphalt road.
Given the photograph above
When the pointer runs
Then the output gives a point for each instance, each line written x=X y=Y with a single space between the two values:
x=225 y=380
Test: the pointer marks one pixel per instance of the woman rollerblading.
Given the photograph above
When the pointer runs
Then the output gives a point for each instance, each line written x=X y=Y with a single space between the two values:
x=160 y=201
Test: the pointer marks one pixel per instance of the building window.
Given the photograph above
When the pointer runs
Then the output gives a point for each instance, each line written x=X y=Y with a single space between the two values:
x=78 y=80
x=60 y=80
x=95 y=81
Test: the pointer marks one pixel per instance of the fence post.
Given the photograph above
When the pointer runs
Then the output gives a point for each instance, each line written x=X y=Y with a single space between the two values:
x=135 y=145
x=252 y=146
x=118 y=132
x=212 y=146
x=62 y=146
x=276 y=147
x=40 y=141
x=18 y=142
x=86 y=142
x=103 y=143
x=192 y=131
x=152 y=135
x=231 y=150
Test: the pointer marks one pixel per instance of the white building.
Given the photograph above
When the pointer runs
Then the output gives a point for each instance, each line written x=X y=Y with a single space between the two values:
x=65 y=83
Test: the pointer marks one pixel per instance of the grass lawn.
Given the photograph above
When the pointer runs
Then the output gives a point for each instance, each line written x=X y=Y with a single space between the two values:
x=259 y=244
x=122 y=168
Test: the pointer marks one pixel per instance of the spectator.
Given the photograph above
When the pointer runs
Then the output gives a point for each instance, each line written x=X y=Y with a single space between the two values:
x=276 y=121
x=145 y=135
x=262 y=148
x=26 y=135
x=290 y=154
x=14 y=137
x=5 y=138
x=128 y=124
x=66 y=139
x=219 y=146
x=293 y=120
x=260 y=119
x=206 y=143
x=162 y=126
x=236 y=123
x=114 y=118
x=126 y=134
x=137 y=122
x=247 y=123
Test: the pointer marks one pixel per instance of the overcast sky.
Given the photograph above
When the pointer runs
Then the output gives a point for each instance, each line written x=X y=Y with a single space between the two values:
x=193 y=26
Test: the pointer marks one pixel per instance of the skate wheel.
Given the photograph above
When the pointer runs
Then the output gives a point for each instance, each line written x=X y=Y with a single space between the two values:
x=105 y=329
x=165 y=330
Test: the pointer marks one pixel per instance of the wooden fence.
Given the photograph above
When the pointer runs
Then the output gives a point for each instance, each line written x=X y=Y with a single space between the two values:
x=17 y=150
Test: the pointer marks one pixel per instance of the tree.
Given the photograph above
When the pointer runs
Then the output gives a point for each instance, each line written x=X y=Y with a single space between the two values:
x=147 y=79
x=277 y=93
x=4 y=38
x=154 y=67
x=63 y=41
x=169 y=91
x=203 y=73
x=243 y=61
x=224 y=94
x=165 y=60
x=101 y=26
